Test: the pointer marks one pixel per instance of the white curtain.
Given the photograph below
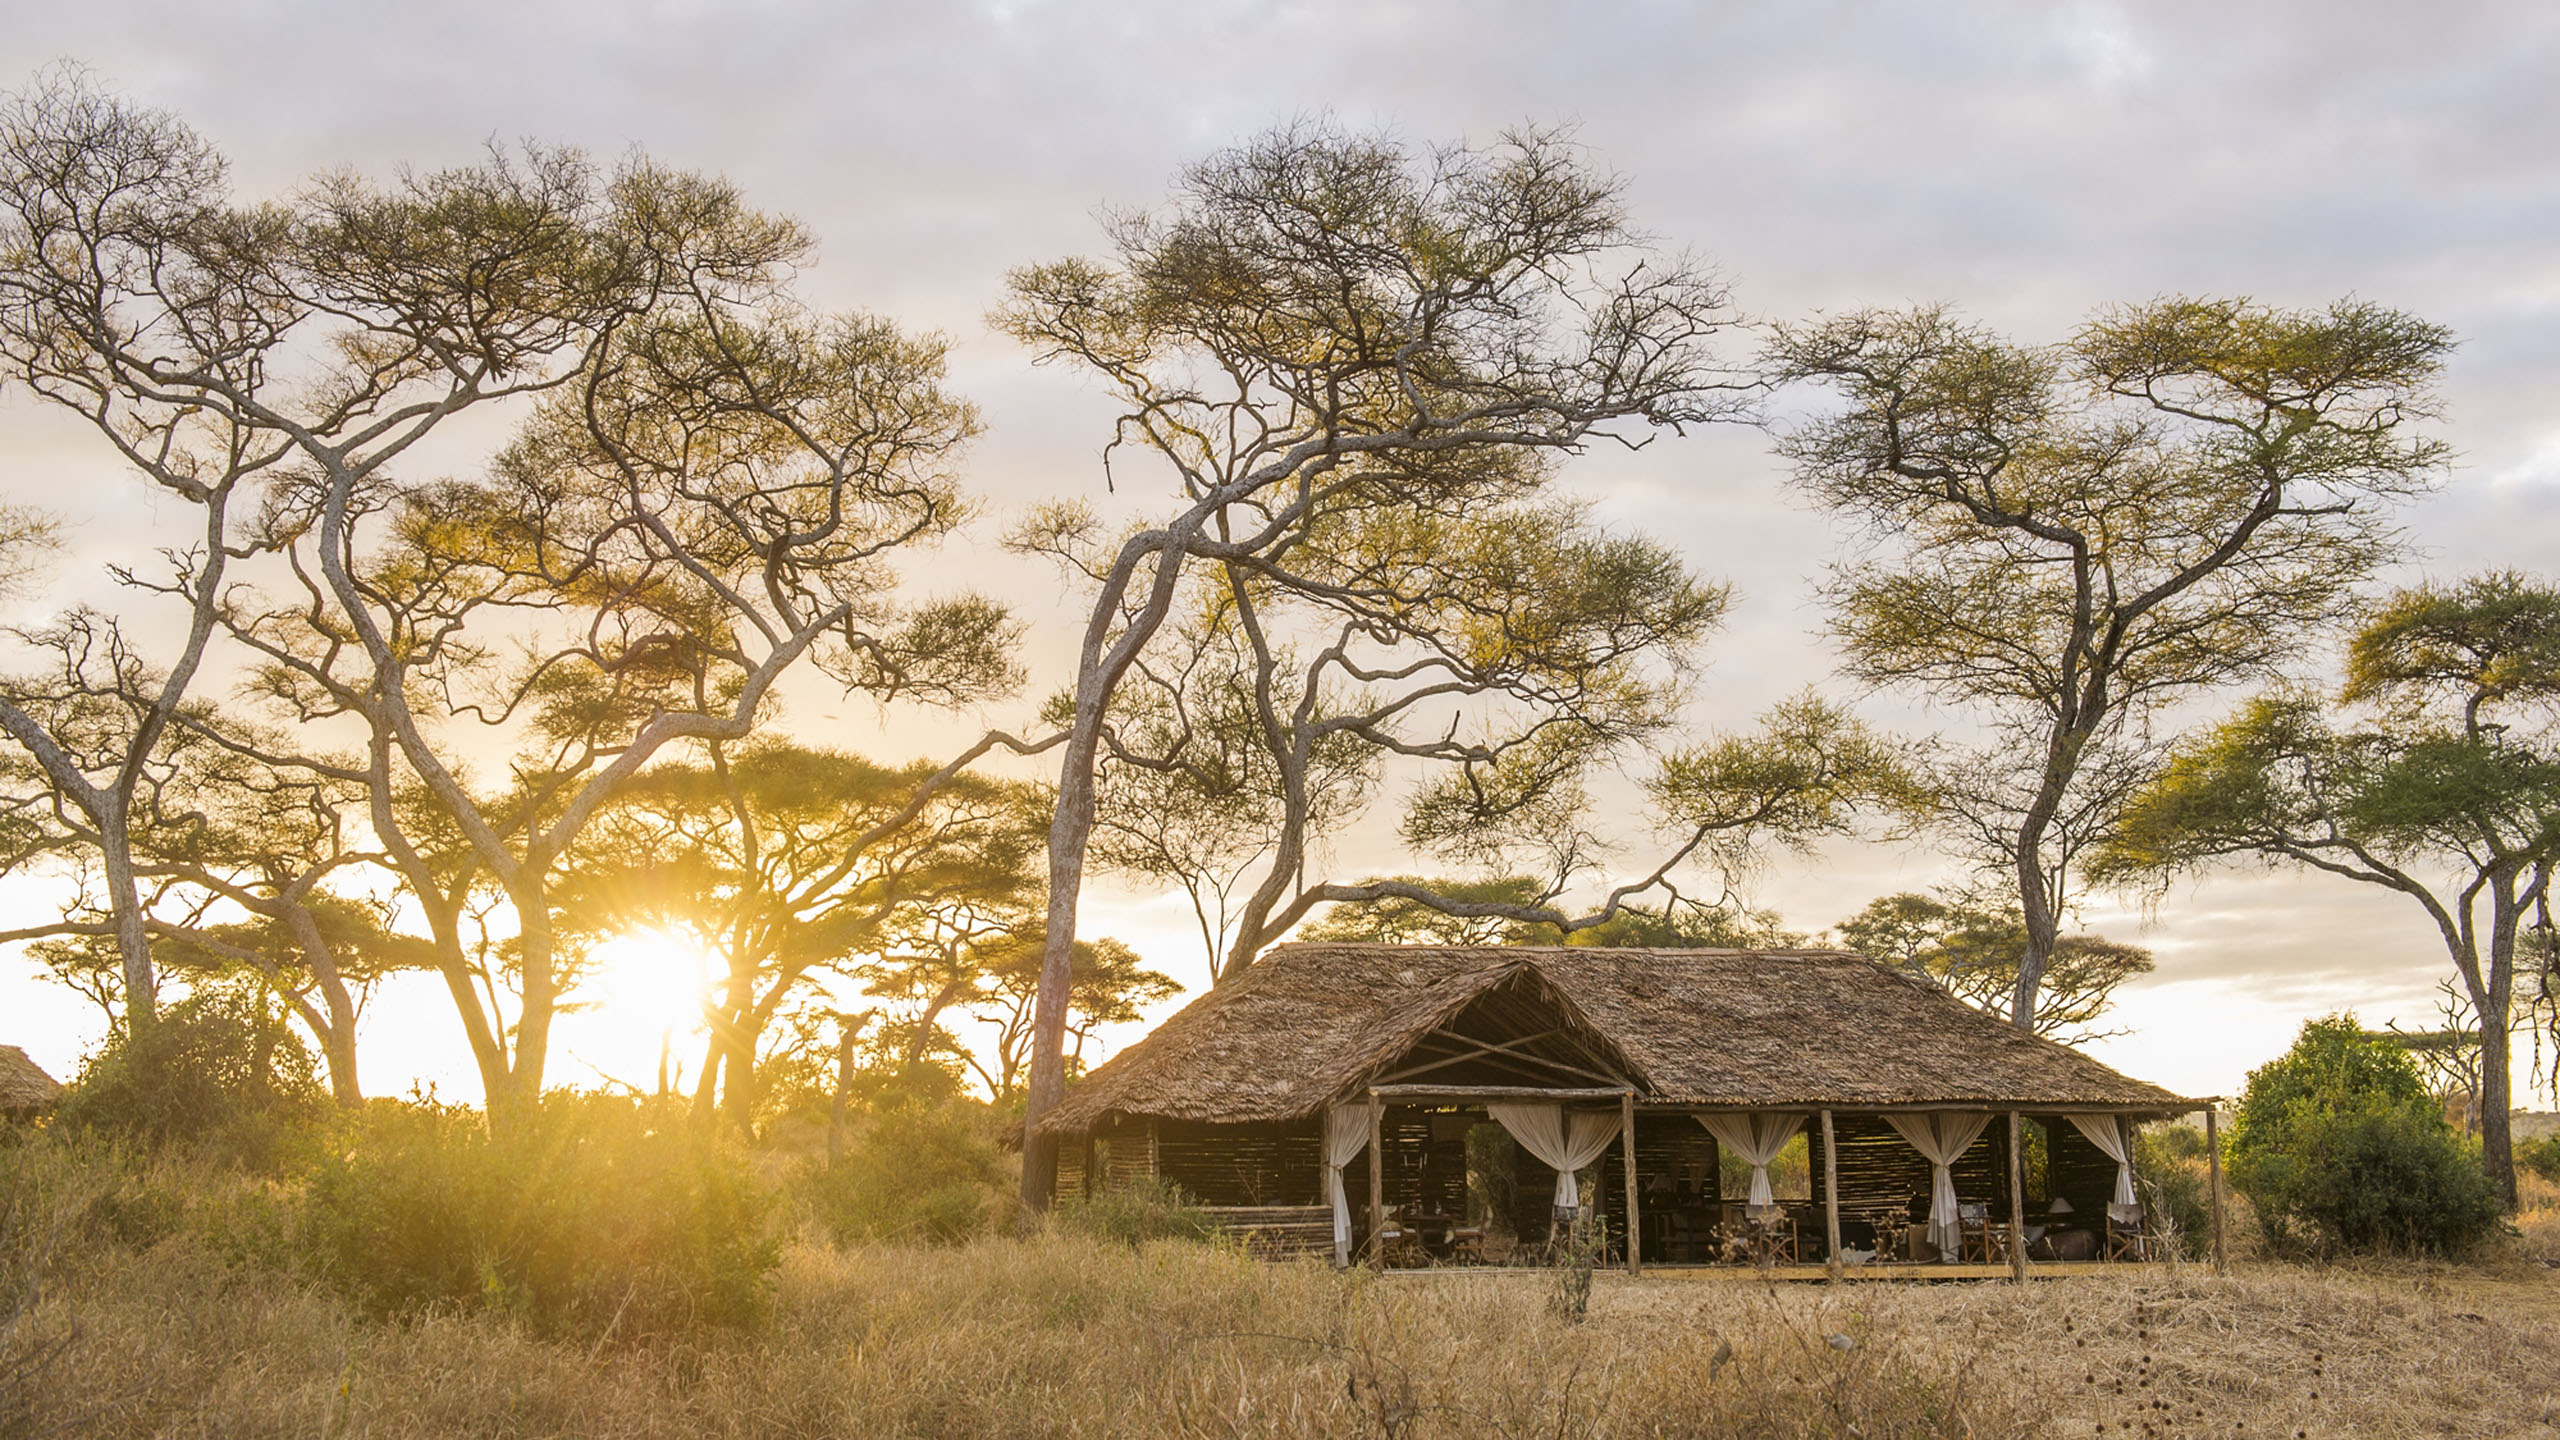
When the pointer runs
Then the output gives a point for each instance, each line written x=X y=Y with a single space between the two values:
x=1564 y=1143
x=1756 y=1137
x=1346 y=1134
x=1943 y=1136
x=2105 y=1132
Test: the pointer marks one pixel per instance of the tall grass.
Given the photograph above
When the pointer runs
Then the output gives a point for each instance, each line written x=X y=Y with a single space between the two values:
x=174 y=1331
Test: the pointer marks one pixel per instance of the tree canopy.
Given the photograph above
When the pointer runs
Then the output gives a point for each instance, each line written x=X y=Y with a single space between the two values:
x=2435 y=775
x=2064 y=539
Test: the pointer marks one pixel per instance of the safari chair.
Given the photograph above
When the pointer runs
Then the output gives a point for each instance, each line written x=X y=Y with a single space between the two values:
x=1773 y=1234
x=2126 y=1237
x=1982 y=1238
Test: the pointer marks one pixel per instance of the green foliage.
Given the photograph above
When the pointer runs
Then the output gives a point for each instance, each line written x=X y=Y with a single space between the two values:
x=1107 y=984
x=1974 y=950
x=584 y=1217
x=1402 y=920
x=2541 y=1155
x=221 y=1071
x=917 y=1172
x=2175 y=1185
x=2340 y=1147
x=1149 y=1208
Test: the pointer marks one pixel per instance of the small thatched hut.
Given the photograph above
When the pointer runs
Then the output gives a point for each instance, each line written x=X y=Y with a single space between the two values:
x=24 y=1087
x=1323 y=1071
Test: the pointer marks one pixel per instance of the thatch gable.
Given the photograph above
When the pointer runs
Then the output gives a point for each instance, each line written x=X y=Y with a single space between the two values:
x=23 y=1083
x=1308 y=1025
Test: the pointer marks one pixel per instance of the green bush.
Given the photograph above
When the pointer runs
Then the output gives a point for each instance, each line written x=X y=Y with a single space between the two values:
x=220 y=1072
x=2541 y=1156
x=916 y=1172
x=1150 y=1208
x=581 y=1218
x=2176 y=1186
x=2339 y=1147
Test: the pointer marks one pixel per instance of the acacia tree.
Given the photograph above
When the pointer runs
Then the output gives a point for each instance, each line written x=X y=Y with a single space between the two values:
x=2069 y=538
x=2441 y=782
x=1682 y=923
x=1323 y=330
x=1973 y=950
x=784 y=862
x=1112 y=987
x=1506 y=652
x=721 y=495
x=217 y=348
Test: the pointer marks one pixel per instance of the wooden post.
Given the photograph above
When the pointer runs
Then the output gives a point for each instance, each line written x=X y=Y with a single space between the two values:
x=1635 y=1225
x=2017 y=1201
x=1831 y=1200
x=2213 y=1179
x=1377 y=1181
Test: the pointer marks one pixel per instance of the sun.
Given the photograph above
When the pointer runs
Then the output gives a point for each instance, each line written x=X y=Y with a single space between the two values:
x=646 y=992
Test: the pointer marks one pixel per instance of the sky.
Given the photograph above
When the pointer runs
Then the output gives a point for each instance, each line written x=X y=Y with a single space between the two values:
x=2027 y=163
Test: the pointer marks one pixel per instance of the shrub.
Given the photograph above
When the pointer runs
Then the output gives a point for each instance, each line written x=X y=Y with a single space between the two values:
x=220 y=1072
x=2176 y=1186
x=581 y=1218
x=1149 y=1208
x=920 y=1172
x=2339 y=1147
x=2541 y=1156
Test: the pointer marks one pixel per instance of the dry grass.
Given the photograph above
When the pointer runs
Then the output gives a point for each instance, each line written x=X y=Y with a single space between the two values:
x=1070 y=1338
x=2537 y=1218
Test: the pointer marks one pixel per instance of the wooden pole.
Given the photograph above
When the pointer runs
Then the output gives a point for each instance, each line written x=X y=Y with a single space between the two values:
x=2213 y=1179
x=2017 y=1201
x=1831 y=1201
x=1377 y=1181
x=1635 y=1228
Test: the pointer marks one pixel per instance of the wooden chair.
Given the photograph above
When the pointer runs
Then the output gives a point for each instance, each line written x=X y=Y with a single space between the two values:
x=1981 y=1238
x=1397 y=1243
x=2126 y=1239
x=1466 y=1245
x=1773 y=1235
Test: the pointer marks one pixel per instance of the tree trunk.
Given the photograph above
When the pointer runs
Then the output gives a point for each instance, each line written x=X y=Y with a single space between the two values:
x=2038 y=898
x=923 y=1032
x=338 y=1038
x=1102 y=663
x=540 y=998
x=133 y=936
x=2497 y=1095
x=738 y=1090
x=2495 y=1006
x=706 y=1086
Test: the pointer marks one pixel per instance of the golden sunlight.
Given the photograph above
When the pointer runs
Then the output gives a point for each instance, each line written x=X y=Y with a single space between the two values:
x=644 y=994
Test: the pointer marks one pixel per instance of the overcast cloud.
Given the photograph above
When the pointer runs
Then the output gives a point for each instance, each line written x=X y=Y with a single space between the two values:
x=2028 y=162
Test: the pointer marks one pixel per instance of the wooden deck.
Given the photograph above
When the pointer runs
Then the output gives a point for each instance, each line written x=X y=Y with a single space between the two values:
x=1802 y=1274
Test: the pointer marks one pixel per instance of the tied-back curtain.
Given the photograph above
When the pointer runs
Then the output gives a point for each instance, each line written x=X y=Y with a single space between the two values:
x=1757 y=1137
x=1943 y=1136
x=1564 y=1143
x=1346 y=1134
x=2105 y=1132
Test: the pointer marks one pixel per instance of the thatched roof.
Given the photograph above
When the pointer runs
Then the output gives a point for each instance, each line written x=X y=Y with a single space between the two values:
x=1308 y=1025
x=23 y=1084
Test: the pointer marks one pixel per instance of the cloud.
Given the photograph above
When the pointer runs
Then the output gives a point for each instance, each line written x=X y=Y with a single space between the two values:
x=2027 y=161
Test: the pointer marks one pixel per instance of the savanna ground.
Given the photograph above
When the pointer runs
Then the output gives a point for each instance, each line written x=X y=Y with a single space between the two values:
x=1063 y=1335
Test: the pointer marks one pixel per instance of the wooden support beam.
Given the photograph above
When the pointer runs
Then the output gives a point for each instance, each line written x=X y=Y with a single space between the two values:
x=1530 y=1093
x=2213 y=1180
x=1831 y=1202
x=1635 y=1227
x=1484 y=1049
x=2017 y=1201
x=1377 y=1180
